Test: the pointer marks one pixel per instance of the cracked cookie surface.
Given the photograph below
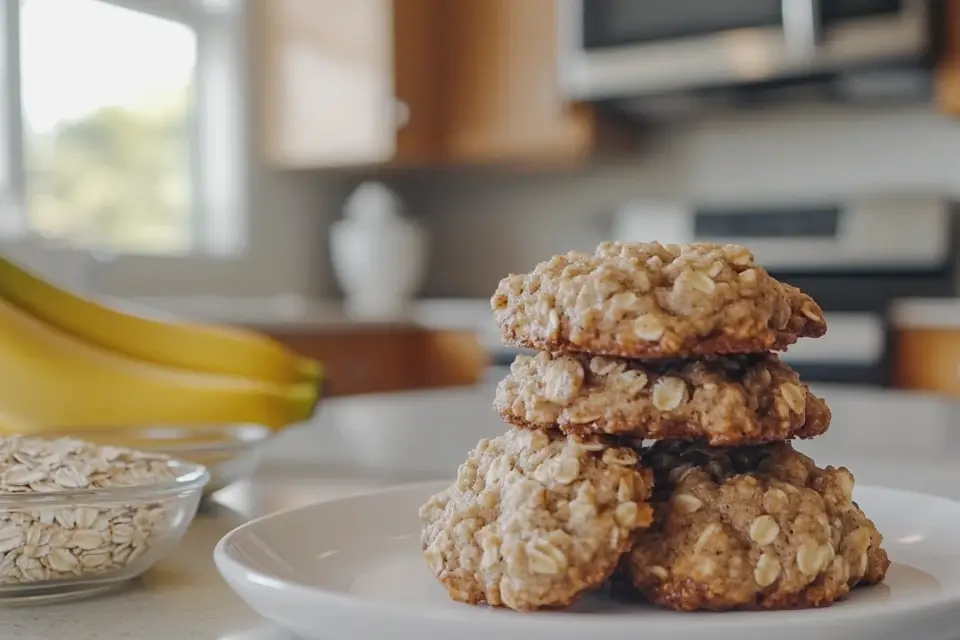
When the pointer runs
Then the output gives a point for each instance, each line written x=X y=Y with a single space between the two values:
x=751 y=528
x=722 y=401
x=646 y=300
x=534 y=519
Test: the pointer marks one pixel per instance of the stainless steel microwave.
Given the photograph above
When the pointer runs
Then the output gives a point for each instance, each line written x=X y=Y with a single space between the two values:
x=611 y=49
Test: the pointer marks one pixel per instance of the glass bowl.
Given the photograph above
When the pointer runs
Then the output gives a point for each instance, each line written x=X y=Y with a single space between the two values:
x=229 y=452
x=76 y=543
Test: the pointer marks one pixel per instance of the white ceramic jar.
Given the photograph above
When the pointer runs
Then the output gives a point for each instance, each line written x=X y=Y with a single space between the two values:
x=378 y=255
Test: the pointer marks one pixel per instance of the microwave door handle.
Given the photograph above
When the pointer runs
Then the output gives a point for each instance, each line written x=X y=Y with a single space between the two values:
x=802 y=28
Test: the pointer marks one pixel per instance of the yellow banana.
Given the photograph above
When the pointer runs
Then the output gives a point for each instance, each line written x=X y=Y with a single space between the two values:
x=11 y=425
x=50 y=379
x=187 y=345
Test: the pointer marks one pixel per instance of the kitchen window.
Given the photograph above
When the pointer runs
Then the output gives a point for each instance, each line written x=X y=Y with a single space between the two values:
x=122 y=124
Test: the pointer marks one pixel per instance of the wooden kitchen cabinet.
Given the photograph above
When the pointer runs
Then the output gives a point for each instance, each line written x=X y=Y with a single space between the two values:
x=347 y=83
x=502 y=96
x=417 y=82
x=948 y=80
x=374 y=360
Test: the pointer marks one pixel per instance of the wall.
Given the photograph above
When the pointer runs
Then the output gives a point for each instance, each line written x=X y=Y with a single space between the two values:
x=486 y=225
x=289 y=217
x=822 y=152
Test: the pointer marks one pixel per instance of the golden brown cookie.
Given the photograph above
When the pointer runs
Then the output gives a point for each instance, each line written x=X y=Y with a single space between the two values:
x=645 y=300
x=724 y=401
x=534 y=519
x=751 y=528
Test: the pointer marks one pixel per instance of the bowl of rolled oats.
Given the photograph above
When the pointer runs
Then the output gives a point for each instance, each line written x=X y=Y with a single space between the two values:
x=77 y=519
x=229 y=452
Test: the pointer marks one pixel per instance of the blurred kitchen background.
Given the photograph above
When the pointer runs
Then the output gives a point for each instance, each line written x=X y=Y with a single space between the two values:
x=354 y=177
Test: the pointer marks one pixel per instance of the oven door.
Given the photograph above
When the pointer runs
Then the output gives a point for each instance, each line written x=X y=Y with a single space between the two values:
x=629 y=48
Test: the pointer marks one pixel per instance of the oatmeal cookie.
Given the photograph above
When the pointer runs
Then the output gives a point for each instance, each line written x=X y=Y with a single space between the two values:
x=723 y=401
x=534 y=519
x=645 y=300
x=751 y=528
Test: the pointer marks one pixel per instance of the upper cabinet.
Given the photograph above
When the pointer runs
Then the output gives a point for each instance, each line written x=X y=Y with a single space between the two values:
x=948 y=81
x=502 y=100
x=346 y=83
x=413 y=82
x=430 y=82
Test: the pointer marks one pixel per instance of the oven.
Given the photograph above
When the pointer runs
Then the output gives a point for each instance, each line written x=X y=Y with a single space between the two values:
x=856 y=258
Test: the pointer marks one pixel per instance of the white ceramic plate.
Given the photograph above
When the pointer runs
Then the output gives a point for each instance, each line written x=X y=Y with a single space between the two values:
x=352 y=569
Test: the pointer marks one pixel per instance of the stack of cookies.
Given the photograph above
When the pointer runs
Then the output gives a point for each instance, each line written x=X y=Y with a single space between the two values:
x=651 y=444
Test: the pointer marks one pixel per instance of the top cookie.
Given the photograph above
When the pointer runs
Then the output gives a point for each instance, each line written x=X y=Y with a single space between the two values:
x=646 y=300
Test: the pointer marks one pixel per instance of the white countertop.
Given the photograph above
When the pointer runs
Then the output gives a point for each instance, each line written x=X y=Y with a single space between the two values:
x=853 y=337
x=291 y=313
x=357 y=444
x=304 y=313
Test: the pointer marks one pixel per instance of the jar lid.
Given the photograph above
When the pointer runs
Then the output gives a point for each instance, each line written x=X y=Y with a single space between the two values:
x=925 y=313
x=373 y=202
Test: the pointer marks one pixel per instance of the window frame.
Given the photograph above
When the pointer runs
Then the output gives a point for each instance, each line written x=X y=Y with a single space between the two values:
x=219 y=144
x=12 y=213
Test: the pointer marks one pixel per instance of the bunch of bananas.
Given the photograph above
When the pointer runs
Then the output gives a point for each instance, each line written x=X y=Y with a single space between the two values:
x=70 y=363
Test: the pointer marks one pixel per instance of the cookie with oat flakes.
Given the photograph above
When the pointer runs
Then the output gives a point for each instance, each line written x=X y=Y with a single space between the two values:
x=751 y=528
x=534 y=519
x=646 y=300
x=723 y=401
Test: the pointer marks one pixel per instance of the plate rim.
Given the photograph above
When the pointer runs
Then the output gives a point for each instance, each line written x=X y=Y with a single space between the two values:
x=544 y=621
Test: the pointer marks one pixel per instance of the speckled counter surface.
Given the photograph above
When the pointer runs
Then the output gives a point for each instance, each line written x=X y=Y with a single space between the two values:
x=183 y=597
x=359 y=444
